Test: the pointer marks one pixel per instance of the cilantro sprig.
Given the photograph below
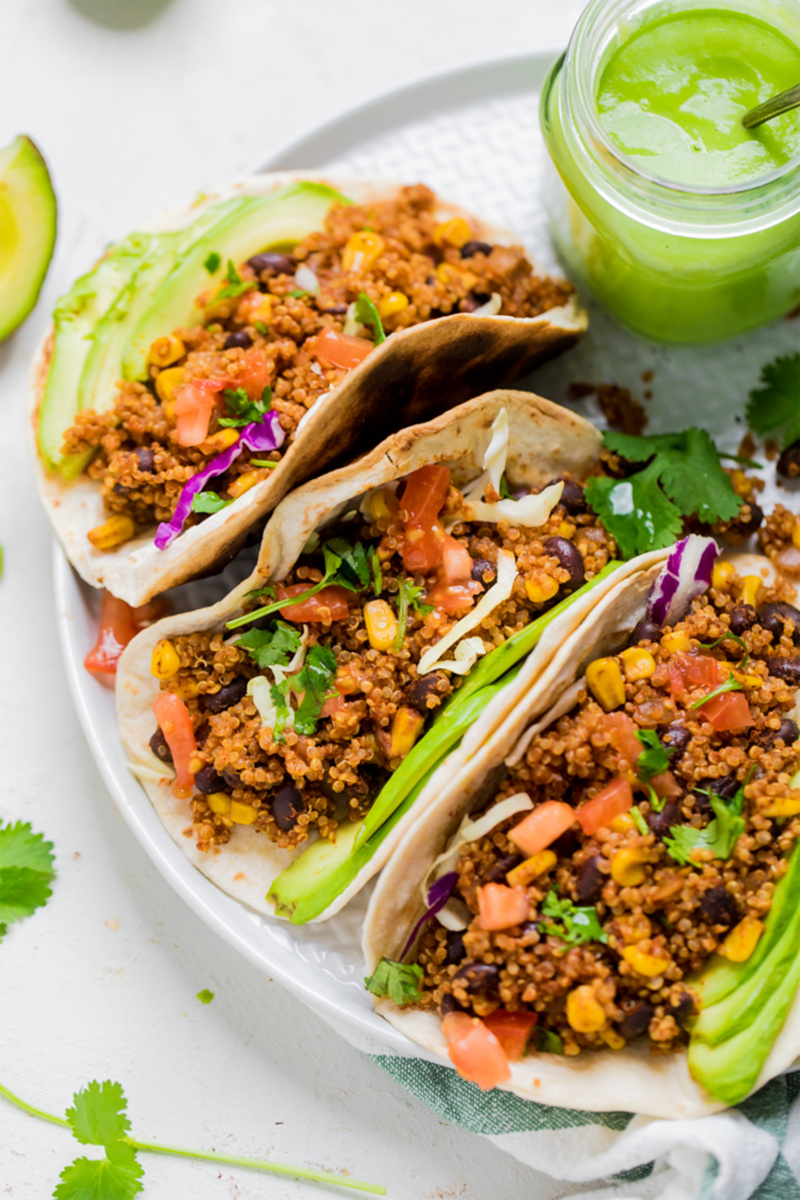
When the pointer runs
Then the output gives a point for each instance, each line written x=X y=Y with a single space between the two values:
x=367 y=314
x=340 y=570
x=547 y=1042
x=730 y=685
x=271 y=647
x=728 y=636
x=399 y=981
x=242 y=410
x=720 y=835
x=234 y=284
x=209 y=502
x=652 y=761
x=681 y=477
x=574 y=925
x=408 y=595
x=774 y=408
x=26 y=872
x=212 y=262
x=314 y=682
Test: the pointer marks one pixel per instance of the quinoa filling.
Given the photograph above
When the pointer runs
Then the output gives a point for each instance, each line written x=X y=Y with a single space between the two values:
x=298 y=719
x=288 y=334
x=676 y=762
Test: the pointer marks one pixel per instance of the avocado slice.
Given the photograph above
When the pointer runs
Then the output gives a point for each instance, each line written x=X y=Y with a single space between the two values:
x=27 y=230
x=281 y=218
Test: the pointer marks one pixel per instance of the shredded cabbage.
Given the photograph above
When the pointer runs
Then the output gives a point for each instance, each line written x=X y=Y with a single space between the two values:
x=491 y=308
x=260 y=689
x=530 y=510
x=305 y=278
x=466 y=655
x=352 y=327
x=471 y=831
x=494 y=460
x=499 y=591
x=147 y=774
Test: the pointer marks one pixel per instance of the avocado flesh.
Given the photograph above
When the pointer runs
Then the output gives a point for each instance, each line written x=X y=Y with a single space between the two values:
x=27 y=230
x=278 y=218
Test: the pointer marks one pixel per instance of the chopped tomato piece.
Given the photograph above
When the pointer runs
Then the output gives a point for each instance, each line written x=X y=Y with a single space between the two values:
x=332 y=705
x=621 y=732
x=194 y=404
x=422 y=548
x=666 y=785
x=335 y=599
x=456 y=564
x=118 y=626
x=341 y=350
x=500 y=907
x=613 y=801
x=512 y=1030
x=257 y=374
x=424 y=494
x=676 y=683
x=474 y=1051
x=694 y=671
x=541 y=827
x=728 y=711
x=455 y=588
x=175 y=722
x=452 y=597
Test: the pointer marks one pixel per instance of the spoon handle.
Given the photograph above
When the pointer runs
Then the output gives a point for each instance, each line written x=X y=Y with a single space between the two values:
x=773 y=107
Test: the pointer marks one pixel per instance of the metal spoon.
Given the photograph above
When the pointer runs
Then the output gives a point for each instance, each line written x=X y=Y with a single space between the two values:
x=783 y=102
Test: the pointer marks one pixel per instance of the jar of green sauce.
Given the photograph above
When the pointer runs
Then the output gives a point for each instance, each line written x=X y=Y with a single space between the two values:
x=682 y=222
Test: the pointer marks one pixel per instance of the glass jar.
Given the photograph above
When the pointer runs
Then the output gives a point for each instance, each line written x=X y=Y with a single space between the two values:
x=673 y=262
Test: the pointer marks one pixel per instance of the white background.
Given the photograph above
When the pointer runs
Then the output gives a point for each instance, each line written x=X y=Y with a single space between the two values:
x=136 y=106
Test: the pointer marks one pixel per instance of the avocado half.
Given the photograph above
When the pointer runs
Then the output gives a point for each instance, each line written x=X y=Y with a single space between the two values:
x=27 y=230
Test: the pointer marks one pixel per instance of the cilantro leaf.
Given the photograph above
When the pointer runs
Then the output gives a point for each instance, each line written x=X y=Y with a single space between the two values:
x=354 y=563
x=505 y=493
x=209 y=502
x=775 y=407
x=212 y=262
x=399 y=981
x=547 y=1042
x=408 y=594
x=260 y=327
x=268 y=647
x=205 y=996
x=691 y=475
x=367 y=314
x=635 y=511
x=377 y=573
x=331 y=575
x=118 y=1176
x=720 y=835
x=296 y=293
x=22 y=891
x=654 y=759
x=243 y=410
x=572 y=924
x=314 y=681
x=98 y=1117
x=234 y=285
x=21 y=847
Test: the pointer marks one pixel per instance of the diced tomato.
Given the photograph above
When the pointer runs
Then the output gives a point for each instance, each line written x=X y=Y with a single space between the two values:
x=334 y=598
x=118 y=626
x=512 y=1030
x=453 y=597
x=341 y=350
x=422 y=548
x=621 y=732
x=425 y=540
x=613 y=801
x=694 y=671
x=666 y=786
x=175 y=722
x=194 y=404
x=256 y=375
x=424 y=494
x=474 y=1051
x=455 y=588
x=332 y=705
x=728 y=711
x=500 y=907
x=541 y=827
x=456 y=566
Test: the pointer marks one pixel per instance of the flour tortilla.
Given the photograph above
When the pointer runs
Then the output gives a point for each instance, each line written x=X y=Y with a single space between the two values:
x=632 y=1079
x=414 y=375
x=544 y=440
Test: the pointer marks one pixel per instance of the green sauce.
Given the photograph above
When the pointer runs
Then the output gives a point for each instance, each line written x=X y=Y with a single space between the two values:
x=673 y=95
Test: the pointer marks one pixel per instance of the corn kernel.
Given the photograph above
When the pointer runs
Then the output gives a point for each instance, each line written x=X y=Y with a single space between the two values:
x=165 y=350
x=383 y=505
x=782 y=806
x=676 y=643
x=255 y=306
x=165 y=660
x=381 y=624
x=168 y=382
x=742 y=940
x=542 y=589
x=223 y=439
x=750 y=589
x=637 y=663
x=187 y=689
x=751 y=681
x=644 y=964
x=455 y=232
x=627 y=866
x=584 y=1013
x=249 y=479
x=361 y=251
x=721 y=574
x=112 y=533
x=614 y=1040
x=604 y=680
x=448 y=273
x=624 y=822
x=531 y=868
x=740 y=483
x=195 y=764
x=406 y=728
x=796 y=533
x=243 y=814
x=393 y=304
x=567 y=529
x=220 y=803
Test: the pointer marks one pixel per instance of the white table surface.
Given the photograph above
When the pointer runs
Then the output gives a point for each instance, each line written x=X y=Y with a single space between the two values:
x=137 y=105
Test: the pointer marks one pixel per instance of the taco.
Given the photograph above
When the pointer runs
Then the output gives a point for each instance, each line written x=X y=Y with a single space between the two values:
x=394 y=599
x=207 y=366
x=607 y=916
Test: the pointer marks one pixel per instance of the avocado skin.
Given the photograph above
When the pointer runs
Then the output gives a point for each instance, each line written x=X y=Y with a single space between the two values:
x=27 y=230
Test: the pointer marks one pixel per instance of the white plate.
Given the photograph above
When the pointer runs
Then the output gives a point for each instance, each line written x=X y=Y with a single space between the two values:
x=472 y=135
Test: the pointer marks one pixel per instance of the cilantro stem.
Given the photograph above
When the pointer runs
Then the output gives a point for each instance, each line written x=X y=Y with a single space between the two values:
x=730 y=685
x=402 y=614
x=34 y=1112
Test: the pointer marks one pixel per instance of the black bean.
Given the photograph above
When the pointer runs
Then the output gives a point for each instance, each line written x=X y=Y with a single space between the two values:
x=753 y=521
x=287 y=805
x=232 y=778
x=590 y=881
x=273 y=264
x=528 y=927
x=478 y=977
x=449 y=1004
x=683 y=1009
x=776 y=617
x=201 y=734
x=572 y=497
x=566 y=845
x=637 y=1018
x=239 y=338
x=427 y=688
x=660 y=823
x=469 y=303
x=454 y=946
x=158 y=744
x=785 y=668
x=789 y=462
x=206 y=780
x=121 y=490
x=743 y=617
x=470 y=249
x=147 y=459
x=718 y=907
x=676 y=737
x=645 y=630
x=216 y=702
x=726 y=787
x=483 y=571
x=788 y=731
x=500 y=869
x=569 y=557
x=336 y=310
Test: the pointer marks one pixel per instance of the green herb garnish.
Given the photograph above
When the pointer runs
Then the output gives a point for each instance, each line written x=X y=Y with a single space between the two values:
x=377 y=573
x=775 y=407
x=205 y=996
x=653 y=760
x=408 y=594
x=260 y=327
x=234 y=285
x=314 y=681
x=296 y=293
x=243 y=410
x=730 y=685
x=209 y=502
x=367 y=314
x=212 y=262
x=727 y=636
x=720 y=835
x=26 y=872
x=399 y=981
x=547 y=1042
x=333 y=574
x=354 y=564
x=271 y=647
x=639 y=820
x=261 y=462
x=505 y=493
x=572 y=924
x=682 y=477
